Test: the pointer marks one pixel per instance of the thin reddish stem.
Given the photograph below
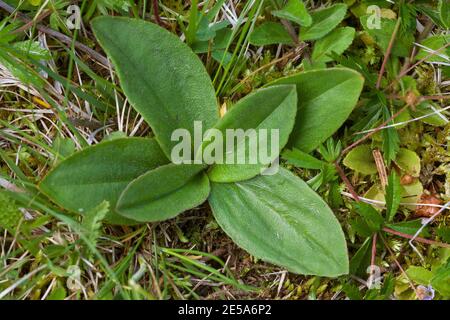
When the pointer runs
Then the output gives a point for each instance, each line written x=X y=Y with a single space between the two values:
x=405 y=72
x=346 y=181
x=374 y=249
x=156 y=13
x=398 y=263
x=381 y=126
x=388 y=53
x=419 y=239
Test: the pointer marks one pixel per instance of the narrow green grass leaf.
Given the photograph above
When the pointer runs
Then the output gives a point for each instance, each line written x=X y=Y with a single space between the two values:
x=391 y=140
x=444 y=10
x=393 y=196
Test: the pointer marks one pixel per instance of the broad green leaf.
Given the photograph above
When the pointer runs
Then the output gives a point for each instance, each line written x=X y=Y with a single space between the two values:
x=352 y=291
x=361 y=259
x=388 y=287
x=58 y=293
x=401 y=121
x=164 y=192
x=9 y=58
x=360 y=227
x=325 y=100
x=371 y=216
x=323 y=22
x=429 y=110
x=431 y=12
x=433 y=44
x=337 y=41
x=115 y=135
x=10 y=214
x=444 y=233
x=24 y=5
x=376 y=193
x=411 y=193
x=221 y=56
x=446 y=72
x=270 y=33
x=313 y=65
x=207 y=31
x=221 y=41
x=281 y=220
x=393 y=196
x=408 y=161
x=302 y=159
x=295 y=11
x=390 y=142
x=383 y=35
x=335 y=199
x=441 y=280
x=63 y=147
x=361 y=160
x=217 y=47
x=409 y=227
x=100 y=173
x=163 y=79
x=32 y=49
x=268 y=109
x=419 y=275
